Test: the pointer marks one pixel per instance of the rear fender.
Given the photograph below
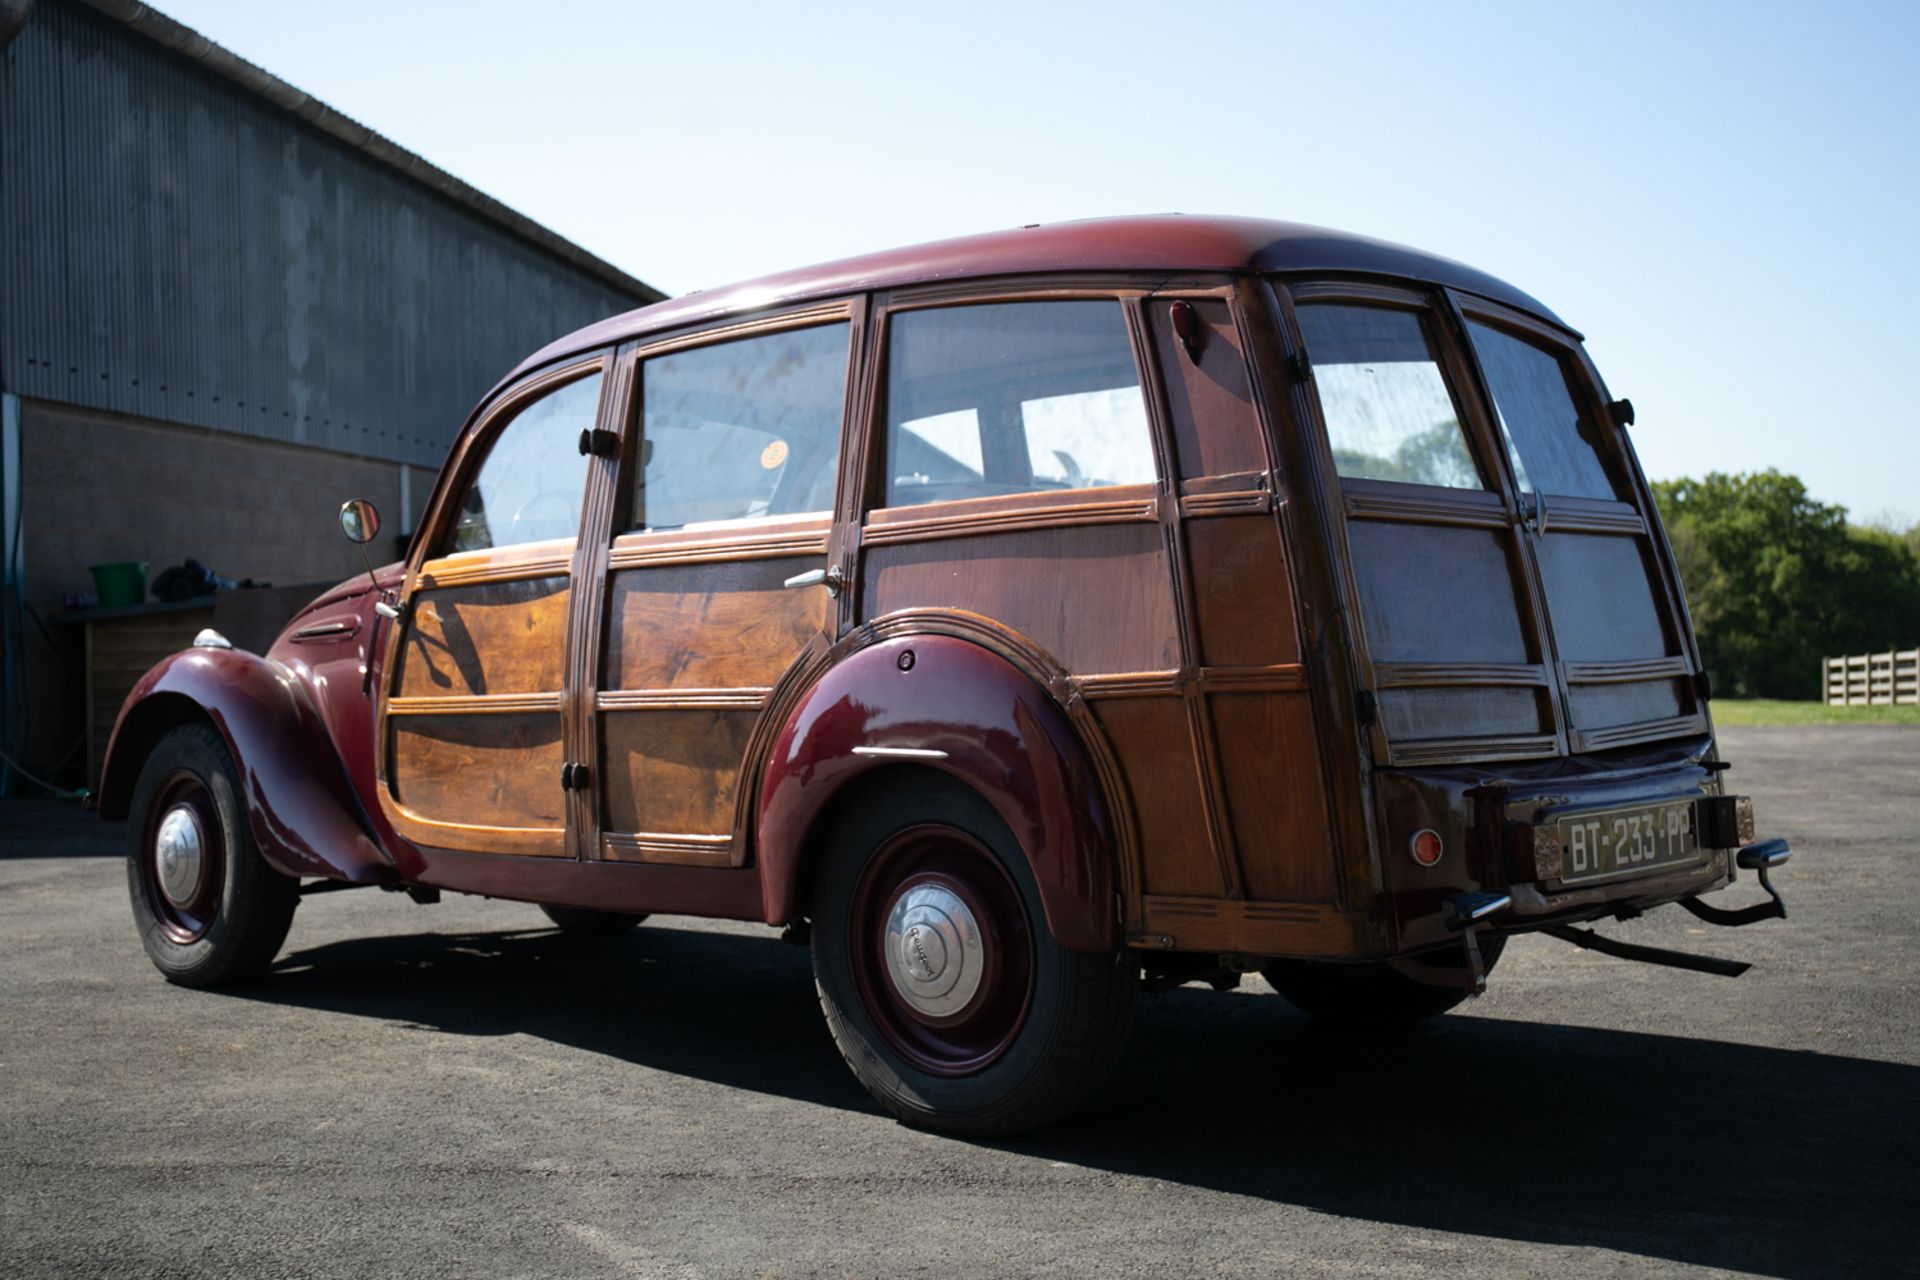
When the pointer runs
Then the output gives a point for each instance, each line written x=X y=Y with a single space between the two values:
x=305 y=817
x=993 y=728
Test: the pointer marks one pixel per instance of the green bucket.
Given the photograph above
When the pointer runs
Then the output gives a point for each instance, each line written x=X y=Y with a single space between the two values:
x=119 y=584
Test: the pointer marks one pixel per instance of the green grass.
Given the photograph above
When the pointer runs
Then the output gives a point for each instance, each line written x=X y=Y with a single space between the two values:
x=1768 y=711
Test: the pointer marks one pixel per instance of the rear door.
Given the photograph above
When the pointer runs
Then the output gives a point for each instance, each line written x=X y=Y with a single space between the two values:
x=1450 y=632
x=1623 y=658
x=1511 y=599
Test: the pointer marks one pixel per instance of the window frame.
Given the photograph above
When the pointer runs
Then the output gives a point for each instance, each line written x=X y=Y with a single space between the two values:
x=629 y=421
x=1111 y=503
x=475 y=445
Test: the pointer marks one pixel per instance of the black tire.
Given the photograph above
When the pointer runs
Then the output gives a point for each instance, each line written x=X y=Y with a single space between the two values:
x=1045 y=1025
x=230 y=924
x=588 y=923
x=1371 y=996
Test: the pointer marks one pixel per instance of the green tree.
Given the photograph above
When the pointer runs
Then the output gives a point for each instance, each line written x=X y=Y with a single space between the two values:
x=1777 y=580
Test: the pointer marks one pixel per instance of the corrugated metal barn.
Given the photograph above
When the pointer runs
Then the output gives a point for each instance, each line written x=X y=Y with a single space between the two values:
x=224 y=307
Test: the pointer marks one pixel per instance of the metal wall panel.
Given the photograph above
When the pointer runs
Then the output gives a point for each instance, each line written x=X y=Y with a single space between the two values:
x=178 y=248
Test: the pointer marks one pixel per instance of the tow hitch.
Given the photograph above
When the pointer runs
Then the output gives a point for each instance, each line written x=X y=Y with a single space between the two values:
x=1758 y=858
x=1648 y=955
x=1755 y=857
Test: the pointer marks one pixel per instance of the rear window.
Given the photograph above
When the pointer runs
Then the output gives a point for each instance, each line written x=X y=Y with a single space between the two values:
x=1389 y=414
x=1553 y=445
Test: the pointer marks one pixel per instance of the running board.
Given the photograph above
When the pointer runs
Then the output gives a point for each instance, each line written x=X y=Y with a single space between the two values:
x=1592 y=941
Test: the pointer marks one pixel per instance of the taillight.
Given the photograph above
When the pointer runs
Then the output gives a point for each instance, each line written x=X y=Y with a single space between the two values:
x=1425 y=847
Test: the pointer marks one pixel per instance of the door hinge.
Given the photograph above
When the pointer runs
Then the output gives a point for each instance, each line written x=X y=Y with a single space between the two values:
x=1300 y=366
x=574 y=776
x=1367 y=707
x=1702 y=686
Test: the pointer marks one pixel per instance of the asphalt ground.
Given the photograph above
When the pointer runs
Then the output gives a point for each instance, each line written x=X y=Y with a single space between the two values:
x=455 y=1090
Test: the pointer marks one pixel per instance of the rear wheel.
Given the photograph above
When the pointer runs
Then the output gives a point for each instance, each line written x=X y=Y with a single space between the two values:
x=589 y=923
x=941 y=984
x=1371 y=995
x=209 y=909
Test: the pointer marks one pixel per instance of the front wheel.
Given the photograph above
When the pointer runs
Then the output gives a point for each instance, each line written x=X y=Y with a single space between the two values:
x=209 y=909
x=941 y=984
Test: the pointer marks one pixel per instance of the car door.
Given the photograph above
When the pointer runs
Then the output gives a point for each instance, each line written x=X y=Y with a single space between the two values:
x=474 y=724
x=1450 y=635
x=1624 y=658
x=716 y=575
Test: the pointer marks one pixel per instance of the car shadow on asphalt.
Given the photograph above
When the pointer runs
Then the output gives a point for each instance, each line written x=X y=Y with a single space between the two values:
x=1779 y=1162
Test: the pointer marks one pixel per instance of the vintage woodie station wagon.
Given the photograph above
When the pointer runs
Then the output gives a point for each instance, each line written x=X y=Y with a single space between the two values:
x=1014 y=619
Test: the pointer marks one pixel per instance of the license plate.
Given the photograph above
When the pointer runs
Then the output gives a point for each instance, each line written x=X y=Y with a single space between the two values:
x=1614 y=843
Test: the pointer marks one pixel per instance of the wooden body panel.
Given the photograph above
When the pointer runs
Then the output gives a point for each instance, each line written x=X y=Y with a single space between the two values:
x=673 y=771
x=486 y=638
x=708 y=625
x=482 y=771
x=1095 y=599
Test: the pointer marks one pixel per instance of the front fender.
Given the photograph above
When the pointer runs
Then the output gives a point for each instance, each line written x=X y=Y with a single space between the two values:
x=306 y=819
x=1000 y=733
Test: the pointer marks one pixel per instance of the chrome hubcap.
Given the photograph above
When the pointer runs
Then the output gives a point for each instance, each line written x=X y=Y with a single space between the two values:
x=179 y=854
x=934 y=955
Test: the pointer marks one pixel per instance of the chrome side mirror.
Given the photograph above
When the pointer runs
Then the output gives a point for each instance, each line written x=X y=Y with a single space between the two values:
x=359 y=520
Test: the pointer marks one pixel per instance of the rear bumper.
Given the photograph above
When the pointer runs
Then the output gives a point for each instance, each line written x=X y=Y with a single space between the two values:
x=1486 y=816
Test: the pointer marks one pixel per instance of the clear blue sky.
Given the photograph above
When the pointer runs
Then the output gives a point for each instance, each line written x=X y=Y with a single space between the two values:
x=1723 y=197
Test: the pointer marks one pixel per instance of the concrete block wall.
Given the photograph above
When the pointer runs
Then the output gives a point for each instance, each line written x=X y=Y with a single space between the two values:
x=99 y=487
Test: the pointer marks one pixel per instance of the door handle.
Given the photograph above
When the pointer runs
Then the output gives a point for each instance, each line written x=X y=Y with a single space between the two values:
x=832 y=579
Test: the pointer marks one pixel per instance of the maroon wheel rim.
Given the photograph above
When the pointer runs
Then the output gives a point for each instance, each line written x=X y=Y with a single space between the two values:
x=182 y=856
x=941 y=950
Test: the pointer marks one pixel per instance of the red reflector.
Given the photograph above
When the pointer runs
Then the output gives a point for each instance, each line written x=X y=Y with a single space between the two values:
x=1425 y=847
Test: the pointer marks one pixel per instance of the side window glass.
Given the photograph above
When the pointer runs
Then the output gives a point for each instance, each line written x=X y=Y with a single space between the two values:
x=1554 y=446
x=1013 y=398
x=531 y=483
x=1389 y=414
x=741 y=429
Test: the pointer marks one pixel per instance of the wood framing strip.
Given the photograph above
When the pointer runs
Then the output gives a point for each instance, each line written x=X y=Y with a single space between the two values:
x=533 y=842
x=1198 y=506
x=1643 y=731
x=1290 y=677
x=1264 y=928
x=654 y=846
x=1403 y=675
x=1575 y=515
x=1134 y=684
x=1625 y=672
x=1470 y=510
x=484 y=704
x=1019 y=520
x=745 y=699
x=1470 y=750
x=452 y=573
x=764 y=546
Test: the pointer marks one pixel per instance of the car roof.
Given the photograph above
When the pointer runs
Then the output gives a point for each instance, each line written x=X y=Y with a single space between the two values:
x=1155 y=243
